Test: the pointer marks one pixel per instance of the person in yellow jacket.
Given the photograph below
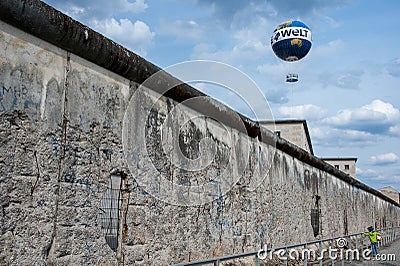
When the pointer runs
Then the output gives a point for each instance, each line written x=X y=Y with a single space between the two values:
x=373 y=237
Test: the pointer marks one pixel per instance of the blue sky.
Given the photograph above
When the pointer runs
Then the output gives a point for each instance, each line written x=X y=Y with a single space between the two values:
x=348 y=89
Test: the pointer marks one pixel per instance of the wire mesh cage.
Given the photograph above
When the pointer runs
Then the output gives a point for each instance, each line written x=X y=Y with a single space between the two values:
x=109 y=211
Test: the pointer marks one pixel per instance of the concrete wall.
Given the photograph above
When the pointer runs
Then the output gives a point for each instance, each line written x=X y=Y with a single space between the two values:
x=63 y=134
x=60 y=117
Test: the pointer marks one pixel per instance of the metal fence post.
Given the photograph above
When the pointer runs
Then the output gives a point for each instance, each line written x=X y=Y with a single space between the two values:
x=258 y=260
x=384 y=240
x=350 y=247
x=286 y=258
x=392 y=235
x=357 y=242
x=305 y=259
x=342 y=253
x=321 y=259
x=330 y=253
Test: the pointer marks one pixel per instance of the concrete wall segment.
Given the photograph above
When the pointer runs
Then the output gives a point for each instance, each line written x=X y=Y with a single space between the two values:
x=56 y=157
x=41 y=20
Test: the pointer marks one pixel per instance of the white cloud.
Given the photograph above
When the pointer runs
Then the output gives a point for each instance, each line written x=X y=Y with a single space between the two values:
x=86 y=10
x=182 y=29
x=101 y=16
x=135 y=36
x=274 y=71
x=348 y=117
x=328 y=20
x=276 y=96
x=248 y=51
x=393 y=68
x=384 y=159
x=332 y=137
x=385 y=108
x=369 y=174
x=355 y=135
x=319 y=133
x=377 y=117
x=395 y=130
x=307 y=111
x=136 y=7
x=328 y=49
x=247 y=44
x=76 y=11
x=346 y=79
x=378 y=180
x=271 y=8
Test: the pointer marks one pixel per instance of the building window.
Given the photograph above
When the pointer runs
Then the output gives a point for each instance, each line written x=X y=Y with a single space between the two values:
x=109 y=214
x=346 y=167
x=336 y=166
x=278 y=133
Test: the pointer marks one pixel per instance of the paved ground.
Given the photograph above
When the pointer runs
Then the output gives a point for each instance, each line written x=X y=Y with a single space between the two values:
x=391 y=253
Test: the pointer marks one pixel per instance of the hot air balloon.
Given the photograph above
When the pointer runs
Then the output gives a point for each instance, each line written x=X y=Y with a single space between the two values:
x=291 y=40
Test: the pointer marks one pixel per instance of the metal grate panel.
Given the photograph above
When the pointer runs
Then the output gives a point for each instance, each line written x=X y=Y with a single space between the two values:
x=109 y=211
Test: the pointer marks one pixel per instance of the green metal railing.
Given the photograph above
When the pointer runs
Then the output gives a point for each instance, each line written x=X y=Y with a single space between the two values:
x=348 y=246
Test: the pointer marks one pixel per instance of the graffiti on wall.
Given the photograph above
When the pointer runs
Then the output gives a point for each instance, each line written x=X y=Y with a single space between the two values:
x=11 y=97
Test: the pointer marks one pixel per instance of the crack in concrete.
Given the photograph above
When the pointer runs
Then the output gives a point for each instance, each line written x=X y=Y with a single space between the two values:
x=50 y=247
x=38 y=173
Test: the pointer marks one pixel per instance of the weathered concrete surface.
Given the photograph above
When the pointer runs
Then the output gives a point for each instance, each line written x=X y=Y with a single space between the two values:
x=56 y=154
x=61 y=137
x=276 y=210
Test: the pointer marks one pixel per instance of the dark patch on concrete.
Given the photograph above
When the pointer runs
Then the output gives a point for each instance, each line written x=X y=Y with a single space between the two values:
x=189 y=140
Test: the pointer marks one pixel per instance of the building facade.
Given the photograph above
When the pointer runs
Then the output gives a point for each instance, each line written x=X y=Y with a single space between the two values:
x=390 y=192
x=345 y=164
x=294 y=131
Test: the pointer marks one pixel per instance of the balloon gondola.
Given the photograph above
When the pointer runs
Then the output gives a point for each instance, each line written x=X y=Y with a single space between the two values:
x=292 y=78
